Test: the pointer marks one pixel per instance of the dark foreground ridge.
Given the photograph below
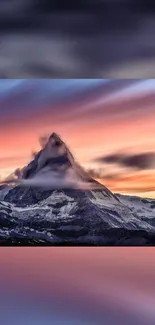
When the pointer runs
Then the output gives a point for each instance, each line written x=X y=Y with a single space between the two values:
x=111 y=237
x=73 y=209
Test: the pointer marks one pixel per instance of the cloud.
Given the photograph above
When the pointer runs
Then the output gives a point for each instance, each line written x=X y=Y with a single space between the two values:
x=140 y=161
x=18 y=173
x=110 y=159
x=13 y=177
x=67 y=99
x=106 y=35
x=49 y=179
x=100 y=173
x=43 y=139
x=134 y=190
x=26 y=98
x=95 y=172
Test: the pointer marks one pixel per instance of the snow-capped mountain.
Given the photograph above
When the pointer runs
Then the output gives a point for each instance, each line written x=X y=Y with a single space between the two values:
x=143 y=208
x=56 y=202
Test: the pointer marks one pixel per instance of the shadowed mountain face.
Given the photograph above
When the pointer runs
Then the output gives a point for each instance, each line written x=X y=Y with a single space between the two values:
x=56 y=203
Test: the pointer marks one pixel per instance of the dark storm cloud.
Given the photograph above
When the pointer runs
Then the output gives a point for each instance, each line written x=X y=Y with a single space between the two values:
x=138 y=161
x=78 y=38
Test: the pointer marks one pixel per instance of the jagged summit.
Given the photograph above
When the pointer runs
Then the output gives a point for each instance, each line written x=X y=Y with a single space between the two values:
x=53 y=154
x=55 y=140
x=55 y=136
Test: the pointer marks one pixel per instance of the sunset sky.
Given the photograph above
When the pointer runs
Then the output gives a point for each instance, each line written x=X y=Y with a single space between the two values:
x=108 y=124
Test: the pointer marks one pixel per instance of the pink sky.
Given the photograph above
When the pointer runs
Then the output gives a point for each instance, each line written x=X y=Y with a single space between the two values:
x=93 y=124
x=90 y=279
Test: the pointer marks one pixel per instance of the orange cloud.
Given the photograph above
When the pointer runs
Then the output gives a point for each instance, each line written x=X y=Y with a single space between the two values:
x=131 y=184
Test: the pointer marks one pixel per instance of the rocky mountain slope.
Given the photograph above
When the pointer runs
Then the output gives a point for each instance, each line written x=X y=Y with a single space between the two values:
x=143 y=208
x=55 y=202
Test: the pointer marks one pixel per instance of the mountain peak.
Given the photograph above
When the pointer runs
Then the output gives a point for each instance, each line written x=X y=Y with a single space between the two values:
x=55 y=136
x=55 y=140
x=54 y=167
